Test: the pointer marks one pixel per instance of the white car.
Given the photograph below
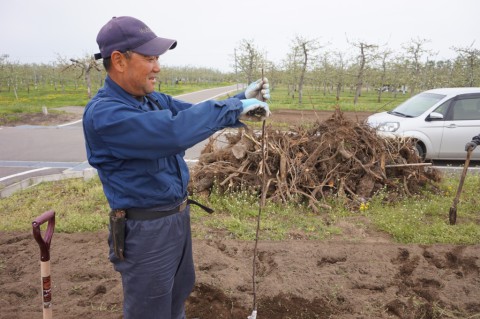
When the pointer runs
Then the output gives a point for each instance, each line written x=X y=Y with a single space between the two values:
x=441 y=121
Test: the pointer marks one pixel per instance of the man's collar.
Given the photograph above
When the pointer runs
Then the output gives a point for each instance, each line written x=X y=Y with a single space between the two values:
x=112 y=85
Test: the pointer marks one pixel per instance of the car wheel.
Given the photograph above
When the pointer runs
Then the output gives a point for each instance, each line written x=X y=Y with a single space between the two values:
x=420 y=150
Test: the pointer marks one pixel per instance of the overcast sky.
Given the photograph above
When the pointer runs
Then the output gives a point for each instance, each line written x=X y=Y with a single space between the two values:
x=208 y=31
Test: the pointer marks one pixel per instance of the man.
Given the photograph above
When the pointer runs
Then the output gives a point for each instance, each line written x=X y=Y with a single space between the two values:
x=136 y=139
x=473 y=143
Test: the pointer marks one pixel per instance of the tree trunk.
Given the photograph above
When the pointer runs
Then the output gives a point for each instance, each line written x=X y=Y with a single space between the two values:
x=89 y=84
x=302 y=74
x=358 y=89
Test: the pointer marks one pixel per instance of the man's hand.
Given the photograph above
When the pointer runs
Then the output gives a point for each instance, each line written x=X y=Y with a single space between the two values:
x=470 y=145
x=473 y=143
x=254 y=110
x=258 y=90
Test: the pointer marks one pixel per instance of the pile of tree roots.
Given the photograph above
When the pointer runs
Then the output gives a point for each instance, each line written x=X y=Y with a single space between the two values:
x=337 y=157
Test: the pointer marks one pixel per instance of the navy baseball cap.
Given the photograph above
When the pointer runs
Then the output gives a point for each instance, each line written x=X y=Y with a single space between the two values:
x=130 y=34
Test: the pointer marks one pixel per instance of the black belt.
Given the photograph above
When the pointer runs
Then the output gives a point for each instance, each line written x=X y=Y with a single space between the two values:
x=155 y=213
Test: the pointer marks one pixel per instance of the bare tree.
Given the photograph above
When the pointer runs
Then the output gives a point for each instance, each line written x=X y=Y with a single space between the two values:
x=304 y=49
x=471 y=58
x=367 y=54
x=444 y=73
x=321 y=71
x=290 y=67
x=415 y=50
x=384 y=55
x=248 y=59
x=11 y=72
x=270 y=71
x=339 y=74
x=3 y=66
x=85 y=65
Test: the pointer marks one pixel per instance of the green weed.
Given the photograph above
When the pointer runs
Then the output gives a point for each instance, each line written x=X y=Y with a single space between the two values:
x=81 y=206
x=424 y=218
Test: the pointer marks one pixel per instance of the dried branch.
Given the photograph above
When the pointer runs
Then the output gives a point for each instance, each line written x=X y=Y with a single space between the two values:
x=336 y=157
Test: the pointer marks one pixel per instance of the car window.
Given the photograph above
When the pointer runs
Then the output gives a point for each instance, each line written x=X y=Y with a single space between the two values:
x=466 y=109
x=443 y=108
x=418 y=104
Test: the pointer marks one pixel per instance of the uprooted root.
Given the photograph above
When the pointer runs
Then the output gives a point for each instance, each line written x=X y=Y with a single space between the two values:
x=335 y=157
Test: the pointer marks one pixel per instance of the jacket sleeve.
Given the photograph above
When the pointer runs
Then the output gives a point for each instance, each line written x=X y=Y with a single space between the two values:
x=240 y=96
x=133 y=133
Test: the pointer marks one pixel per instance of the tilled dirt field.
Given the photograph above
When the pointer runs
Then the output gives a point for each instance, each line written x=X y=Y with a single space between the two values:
x=358 y=274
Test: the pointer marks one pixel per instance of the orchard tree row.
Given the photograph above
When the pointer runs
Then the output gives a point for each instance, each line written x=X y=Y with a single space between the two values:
x=367 y=66
x=87 y=73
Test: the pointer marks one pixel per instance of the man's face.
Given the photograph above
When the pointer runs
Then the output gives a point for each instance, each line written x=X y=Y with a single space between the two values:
x=140 y=74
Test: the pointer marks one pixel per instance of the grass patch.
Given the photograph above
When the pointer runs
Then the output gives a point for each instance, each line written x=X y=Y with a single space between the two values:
x=236 y=217
x=423 y=219
x=31 y=101
x=81 y=206
x=316 y=99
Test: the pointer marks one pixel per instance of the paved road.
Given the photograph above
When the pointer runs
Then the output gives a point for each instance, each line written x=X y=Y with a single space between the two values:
x=31 y=152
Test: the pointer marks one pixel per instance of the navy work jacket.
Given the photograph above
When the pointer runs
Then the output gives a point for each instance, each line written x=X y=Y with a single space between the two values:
x=138 y=148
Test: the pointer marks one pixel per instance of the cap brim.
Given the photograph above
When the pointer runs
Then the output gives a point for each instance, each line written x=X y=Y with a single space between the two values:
x=157 y=46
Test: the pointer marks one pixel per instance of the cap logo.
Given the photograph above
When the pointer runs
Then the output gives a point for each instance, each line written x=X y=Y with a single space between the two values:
x=145 y=30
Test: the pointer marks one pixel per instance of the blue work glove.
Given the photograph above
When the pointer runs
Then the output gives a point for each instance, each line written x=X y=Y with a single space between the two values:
x=473 y=143
x=470 y=145
x=254 y=110
x=258 y=90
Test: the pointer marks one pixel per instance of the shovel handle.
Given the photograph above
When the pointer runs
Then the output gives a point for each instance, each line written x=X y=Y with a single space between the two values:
x=44 y=243
x=464 y=174
x=452 y=214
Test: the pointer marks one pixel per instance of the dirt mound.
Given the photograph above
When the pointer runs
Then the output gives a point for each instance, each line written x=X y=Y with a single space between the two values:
x=336 y=156
x=38 y=119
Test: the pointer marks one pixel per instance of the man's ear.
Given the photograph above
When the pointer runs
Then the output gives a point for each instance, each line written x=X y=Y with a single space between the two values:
x=119 y=61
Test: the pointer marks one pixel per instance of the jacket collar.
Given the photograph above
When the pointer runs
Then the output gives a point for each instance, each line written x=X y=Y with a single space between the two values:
x=112 y=87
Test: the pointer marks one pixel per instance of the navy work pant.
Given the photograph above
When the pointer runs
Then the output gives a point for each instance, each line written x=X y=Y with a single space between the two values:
x=158 y=272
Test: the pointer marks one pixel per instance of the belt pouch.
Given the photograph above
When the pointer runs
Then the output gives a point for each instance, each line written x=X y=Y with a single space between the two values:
x=117 y=228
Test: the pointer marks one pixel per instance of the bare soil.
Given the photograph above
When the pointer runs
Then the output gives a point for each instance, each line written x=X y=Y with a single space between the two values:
x=361 y=273
x=357 y=275
x=70 y=113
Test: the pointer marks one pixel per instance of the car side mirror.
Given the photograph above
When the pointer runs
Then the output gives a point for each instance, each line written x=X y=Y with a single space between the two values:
x=434 y=116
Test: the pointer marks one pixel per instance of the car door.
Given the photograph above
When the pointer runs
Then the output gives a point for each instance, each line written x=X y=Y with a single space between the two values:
x=460 y=125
